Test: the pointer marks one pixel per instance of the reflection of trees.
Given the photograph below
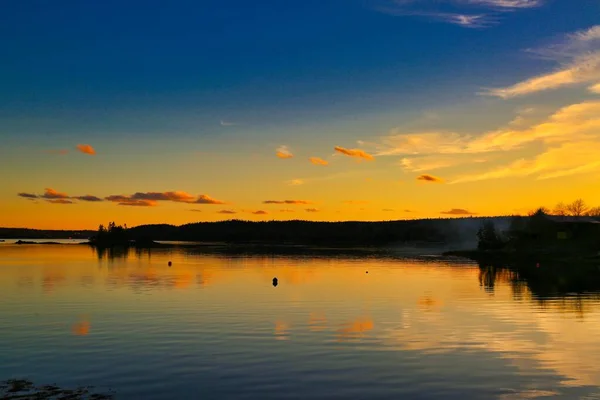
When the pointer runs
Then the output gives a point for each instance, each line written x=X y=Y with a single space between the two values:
x=112 y=253
x=569 y=287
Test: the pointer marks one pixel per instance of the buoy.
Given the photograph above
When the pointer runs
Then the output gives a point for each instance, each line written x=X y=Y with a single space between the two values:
x=170 y=263
x=367 y=272
x=275 y=281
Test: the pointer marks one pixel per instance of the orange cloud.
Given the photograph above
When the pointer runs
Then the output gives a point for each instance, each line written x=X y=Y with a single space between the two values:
x=286 y=211
x=286 y=202
x=227 y=212
x=318 y=161
x=429 y=178
x=354 y=153
x=86 y=149
x=312 y=210
x=50 y=193
x=128 y=201
x=283 y=152
x=355 y=202
x=182 y=197
x=205 y=199
x=195 y=210
x=457 y=211
x=260 y=212
x=388 y=209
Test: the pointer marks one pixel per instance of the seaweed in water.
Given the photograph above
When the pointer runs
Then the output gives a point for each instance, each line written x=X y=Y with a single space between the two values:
x=24 y=389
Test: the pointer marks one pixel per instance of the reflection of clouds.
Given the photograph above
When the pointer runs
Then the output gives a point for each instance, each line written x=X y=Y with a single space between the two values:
x=282 y=330
x=81 y=328
x=50 y=280
x=355 y=329
x=429 y=303
x=317 y=322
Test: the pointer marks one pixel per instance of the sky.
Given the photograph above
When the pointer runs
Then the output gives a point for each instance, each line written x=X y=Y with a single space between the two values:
x=185 y=111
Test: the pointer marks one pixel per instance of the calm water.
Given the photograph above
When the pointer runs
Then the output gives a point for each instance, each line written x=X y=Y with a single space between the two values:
x=213 y=326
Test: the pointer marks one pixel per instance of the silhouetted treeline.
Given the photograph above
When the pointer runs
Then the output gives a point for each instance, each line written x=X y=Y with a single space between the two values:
x=24 y=233
x=316 y=233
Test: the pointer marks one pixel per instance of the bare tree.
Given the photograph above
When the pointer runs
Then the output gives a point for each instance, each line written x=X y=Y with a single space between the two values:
x=593 y=212
x=577 y=208
x=560 y=209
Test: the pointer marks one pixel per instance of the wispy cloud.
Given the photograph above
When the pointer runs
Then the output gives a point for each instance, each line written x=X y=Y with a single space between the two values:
x=195 y=210
x=128 y=201
x=429 y=178
x=465 y=13
x=595 y=88
x=259 y=212
x=283 y=152
x=227 y=123
x=388 y=210
x=28 y=195
x=318 y=161
x=312 y=210
x=286 y=211
x=293 y=202
x=457 y=211
x=355 y=202
x=174 y=196
x=87 y=197
x=295 y=182
x=86 y=149
x=227 y=212
x=59 y=201
x=354 y=153
x=578 y=59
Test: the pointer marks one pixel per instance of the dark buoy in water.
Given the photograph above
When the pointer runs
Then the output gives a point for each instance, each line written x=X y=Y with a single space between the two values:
x=275 y=281
x=170 y=263
x=367 y=272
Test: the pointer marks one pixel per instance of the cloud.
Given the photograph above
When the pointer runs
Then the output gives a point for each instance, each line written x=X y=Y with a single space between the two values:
x=227 y=212
x=429 y=178
x=318 y=161
x=295 y=202
x=195 y=210
x=295 y=182
x=227 y=123
x=578 y=59
x=388 y=210
x=27 y=195
x=59 y=201
x=128 y=201
x=181 y=197
x=138 y=203
x=595 y=88
x=88 y=197
x=60 y=152
x=286 y=211
x=465 y=13
x=259 y=212
x=354 y=153
x=205 y=199
x=150 y=198
x=50 y=193
x=457 y=211
x=408 y=211
x=355 y=202
x=312 y=210
x=283 y=152
x=86 y=149
x=566 y=143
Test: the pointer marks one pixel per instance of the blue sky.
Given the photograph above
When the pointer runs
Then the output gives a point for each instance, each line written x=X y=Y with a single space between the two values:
x=151 y=80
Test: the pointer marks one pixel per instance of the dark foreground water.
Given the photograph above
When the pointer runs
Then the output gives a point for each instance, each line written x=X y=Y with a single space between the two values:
x=213 y=327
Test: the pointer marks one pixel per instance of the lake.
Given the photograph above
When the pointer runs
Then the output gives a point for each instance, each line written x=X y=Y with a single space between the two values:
x=337 y=326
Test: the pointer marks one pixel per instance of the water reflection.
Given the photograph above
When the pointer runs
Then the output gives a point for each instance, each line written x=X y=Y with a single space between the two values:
x=519 y=332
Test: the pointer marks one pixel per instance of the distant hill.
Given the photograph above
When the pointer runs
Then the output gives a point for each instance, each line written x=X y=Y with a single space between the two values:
x=24 y=233
x=455 y=231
